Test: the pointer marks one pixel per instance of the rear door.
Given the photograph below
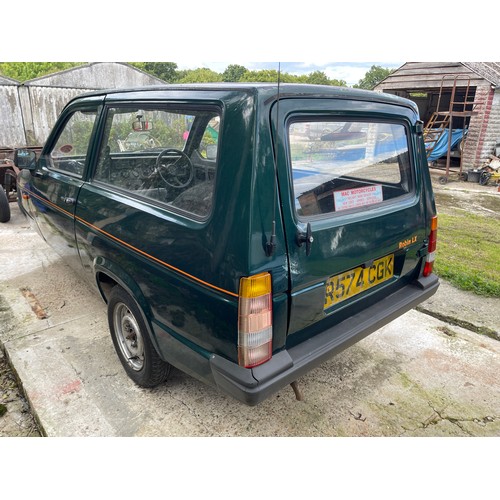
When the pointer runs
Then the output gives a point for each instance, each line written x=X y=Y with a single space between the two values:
x=353 y=215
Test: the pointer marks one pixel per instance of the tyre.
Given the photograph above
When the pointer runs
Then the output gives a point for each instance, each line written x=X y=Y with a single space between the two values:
x=132 y=343
x=4 y=206
x=10 y=180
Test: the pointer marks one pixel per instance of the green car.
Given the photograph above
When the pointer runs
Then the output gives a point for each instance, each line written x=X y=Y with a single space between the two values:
x=243 y=233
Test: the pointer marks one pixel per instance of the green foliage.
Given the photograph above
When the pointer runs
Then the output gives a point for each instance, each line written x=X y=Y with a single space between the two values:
x=373 y=77
x=233 y=73
x=271 y=75
x=467 y=252
x=169 y=72
x=166 y=71
x=320 y=78
x=23 y=71
x=81 y=132
x=200 y=75
x=119 y=132
x=263 y=75
x=170 y=135
x=77 y=133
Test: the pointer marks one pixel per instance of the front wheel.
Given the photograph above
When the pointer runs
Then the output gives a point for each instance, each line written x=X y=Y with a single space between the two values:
x=132 y=343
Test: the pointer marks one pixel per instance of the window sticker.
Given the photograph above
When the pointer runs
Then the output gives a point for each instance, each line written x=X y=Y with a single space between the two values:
x=347 y=199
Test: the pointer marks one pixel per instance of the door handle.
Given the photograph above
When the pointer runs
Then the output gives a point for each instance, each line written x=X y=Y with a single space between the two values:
x=306 y=238
x=68 y=201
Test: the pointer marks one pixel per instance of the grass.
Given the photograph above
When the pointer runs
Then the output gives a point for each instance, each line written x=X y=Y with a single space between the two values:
x=468 y=252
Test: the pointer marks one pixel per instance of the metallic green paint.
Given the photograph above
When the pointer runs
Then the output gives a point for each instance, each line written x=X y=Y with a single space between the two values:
x=184 y=273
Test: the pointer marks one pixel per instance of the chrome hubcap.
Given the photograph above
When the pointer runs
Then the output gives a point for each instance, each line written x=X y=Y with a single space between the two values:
x=129 y=336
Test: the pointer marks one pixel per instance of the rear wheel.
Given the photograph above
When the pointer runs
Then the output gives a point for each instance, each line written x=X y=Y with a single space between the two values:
x=132 y=343
x=4 y=206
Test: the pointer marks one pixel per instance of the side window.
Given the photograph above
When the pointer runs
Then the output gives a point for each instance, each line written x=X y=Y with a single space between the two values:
x=340 y=166
x=164 y=154
x=70 y=151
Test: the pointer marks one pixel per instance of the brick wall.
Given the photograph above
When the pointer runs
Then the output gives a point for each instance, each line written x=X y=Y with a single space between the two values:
x=484 y=128
x=492 y=133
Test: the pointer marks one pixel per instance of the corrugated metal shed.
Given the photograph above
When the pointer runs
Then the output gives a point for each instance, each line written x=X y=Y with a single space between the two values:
x=97 y=76
x=7 y=81
x=11 y=121
x=29 y=110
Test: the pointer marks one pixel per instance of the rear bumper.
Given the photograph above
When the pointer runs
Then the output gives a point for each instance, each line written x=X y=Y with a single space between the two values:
x=251 y=386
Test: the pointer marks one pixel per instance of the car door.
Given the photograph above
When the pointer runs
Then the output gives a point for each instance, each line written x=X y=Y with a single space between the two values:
x=145 y=216
x=354 y=219
x=59 y=175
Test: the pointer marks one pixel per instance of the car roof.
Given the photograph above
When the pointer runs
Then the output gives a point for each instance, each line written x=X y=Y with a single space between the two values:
x=266 y=91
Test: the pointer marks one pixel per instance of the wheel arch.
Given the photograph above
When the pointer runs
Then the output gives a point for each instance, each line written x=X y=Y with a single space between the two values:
x=108 y=275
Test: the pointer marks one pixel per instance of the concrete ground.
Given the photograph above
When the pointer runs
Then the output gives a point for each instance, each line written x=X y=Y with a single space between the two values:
x=418 y=376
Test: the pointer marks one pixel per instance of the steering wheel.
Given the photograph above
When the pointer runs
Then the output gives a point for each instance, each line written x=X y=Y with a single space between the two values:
x=175 y=168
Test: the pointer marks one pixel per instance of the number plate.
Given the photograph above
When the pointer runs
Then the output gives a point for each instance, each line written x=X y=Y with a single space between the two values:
x=357 y=280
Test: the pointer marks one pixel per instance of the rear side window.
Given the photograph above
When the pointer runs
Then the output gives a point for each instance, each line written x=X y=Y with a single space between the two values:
x=340 y=166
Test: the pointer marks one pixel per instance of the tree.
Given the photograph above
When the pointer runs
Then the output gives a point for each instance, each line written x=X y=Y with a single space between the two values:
x=320 y=78
x=200 y=75
x=166 y=71
x=373 y=77
x=233 y=73
x=23 y=71
x=263 y=75
x=269 y=75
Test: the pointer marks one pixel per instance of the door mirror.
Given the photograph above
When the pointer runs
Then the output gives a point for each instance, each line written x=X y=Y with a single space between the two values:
x=25 y=159
x=211 y=151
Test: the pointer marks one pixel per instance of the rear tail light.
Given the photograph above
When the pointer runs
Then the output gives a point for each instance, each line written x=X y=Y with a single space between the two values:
x=255 y=324
x=431 y=248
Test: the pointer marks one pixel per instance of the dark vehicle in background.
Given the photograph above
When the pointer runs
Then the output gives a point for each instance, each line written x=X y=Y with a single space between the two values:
x=242 y=233
x=7 y=187
x=8 y=180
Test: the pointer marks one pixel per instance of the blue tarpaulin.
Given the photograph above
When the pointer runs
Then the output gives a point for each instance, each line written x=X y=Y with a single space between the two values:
x=441 y=147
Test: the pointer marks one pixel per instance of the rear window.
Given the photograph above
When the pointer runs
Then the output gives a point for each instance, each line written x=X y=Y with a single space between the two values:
x=343 y=166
